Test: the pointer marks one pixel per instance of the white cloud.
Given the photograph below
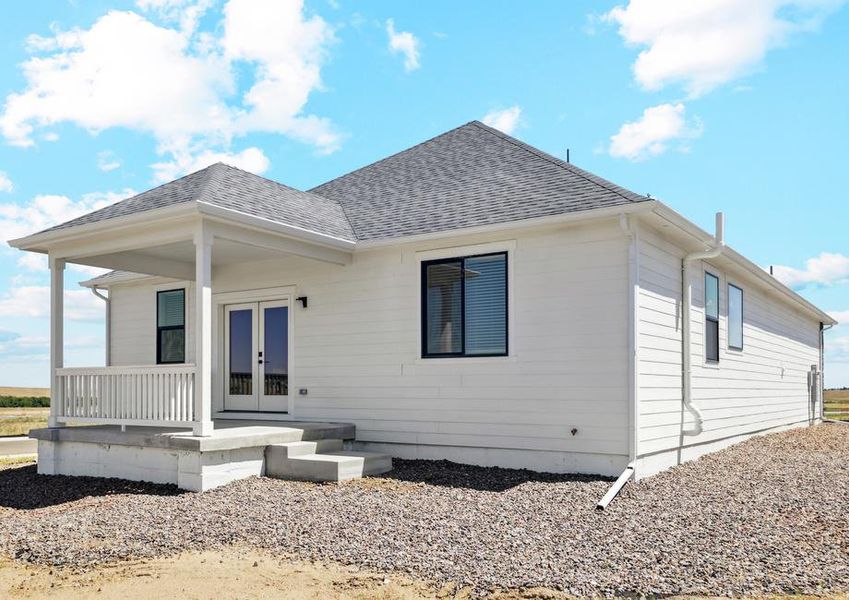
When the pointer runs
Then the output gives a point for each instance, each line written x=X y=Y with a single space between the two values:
x=653 y=132
x=47 y=210
x=5 y=183
x=405 y=43
x=288 y=50
x=828 y=268
x=106 y=161
x=841 y=316
x=34 y=301
x=16 y=346
x=702 y=45
x=251 y=159
x=837 y=349
x=179 y=85
x=504 y=120
x=123 y=72
x=185 y=12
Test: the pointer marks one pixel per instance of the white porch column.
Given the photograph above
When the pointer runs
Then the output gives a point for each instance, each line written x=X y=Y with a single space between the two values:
x=57 y=338
x=203 y=332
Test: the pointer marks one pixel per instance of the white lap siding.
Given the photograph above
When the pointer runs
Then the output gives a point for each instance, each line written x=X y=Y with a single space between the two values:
x=762 y=387
x=357 y=352
x=133 y=324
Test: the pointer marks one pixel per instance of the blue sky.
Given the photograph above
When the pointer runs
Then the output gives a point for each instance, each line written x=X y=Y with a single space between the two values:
x=733 y=105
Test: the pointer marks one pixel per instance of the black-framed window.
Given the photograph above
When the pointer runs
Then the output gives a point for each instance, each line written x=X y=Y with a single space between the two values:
x=464 y=306
x=711 y=317
x=735 y=317
x=171 y=327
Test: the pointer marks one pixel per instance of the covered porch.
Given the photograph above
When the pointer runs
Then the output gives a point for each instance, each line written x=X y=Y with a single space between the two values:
x=186 y=242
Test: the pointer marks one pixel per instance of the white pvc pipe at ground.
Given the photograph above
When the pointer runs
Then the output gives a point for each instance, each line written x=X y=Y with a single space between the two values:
x=616 y=487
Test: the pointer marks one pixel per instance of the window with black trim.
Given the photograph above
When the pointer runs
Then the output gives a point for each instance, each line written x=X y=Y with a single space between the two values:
x=171 y=327
x=711 y=317
x=735 y=317
x=464 y=306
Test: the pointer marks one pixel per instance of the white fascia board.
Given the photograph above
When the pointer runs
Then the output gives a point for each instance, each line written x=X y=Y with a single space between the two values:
x=107 y=279
x=706 y=239
x=38 y=242
x=547 y=221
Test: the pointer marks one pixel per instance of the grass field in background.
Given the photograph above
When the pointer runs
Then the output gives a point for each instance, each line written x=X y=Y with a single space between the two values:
x=19 y=421
x=836 y=405
x=23 y=409
x=19 y=392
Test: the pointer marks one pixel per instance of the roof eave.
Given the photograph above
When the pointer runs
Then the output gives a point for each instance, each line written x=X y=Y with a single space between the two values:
x=546 y=221
x=40 y=242
x=752 y=268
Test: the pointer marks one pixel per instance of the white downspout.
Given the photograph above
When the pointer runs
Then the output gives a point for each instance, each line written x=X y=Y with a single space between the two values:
x=108 y=302
x=686 y=308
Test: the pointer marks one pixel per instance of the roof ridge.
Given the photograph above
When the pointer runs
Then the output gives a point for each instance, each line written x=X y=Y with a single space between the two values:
x=211 y=179
x=393 y=155
x=277 y=183
x=219 y=174
x=555 y=161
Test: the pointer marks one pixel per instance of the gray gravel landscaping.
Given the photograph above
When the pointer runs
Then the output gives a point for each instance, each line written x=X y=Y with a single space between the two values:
x=765 y=516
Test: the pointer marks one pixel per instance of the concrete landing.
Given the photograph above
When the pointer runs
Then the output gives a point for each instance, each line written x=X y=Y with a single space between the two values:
x=227 y=435
x=235 y=450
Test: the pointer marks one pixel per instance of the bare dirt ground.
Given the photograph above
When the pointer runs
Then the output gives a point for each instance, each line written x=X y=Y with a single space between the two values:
x=229 y=573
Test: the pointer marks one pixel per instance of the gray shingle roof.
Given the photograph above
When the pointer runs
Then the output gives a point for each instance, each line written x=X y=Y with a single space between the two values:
x=469 y=176
x=228 y=187
x=472 y=175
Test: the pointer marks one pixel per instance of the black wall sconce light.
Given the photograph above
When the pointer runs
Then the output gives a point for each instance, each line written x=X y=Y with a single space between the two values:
x=303 y=300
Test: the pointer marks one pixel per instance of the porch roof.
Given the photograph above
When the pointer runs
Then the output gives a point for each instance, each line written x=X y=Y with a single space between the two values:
x=230 y=188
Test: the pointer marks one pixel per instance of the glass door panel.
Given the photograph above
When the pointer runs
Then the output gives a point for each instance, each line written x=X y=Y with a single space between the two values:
x=240 y=356
x=274 y=362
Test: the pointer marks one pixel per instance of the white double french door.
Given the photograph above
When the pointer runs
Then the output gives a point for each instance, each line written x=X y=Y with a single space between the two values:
x=256 y=356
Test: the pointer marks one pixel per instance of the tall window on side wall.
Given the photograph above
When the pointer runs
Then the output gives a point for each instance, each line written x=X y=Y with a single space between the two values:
x=464 y=306
x=735 y=317
x=711 y=317
x=170 y=327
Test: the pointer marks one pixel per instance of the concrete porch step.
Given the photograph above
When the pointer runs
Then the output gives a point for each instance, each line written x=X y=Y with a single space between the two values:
x=326 y=461
x=278 y=452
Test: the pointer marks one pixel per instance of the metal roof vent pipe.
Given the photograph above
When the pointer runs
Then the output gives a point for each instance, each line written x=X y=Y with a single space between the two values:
x=716 y=248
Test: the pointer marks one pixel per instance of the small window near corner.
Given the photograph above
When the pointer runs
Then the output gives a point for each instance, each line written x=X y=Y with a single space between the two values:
x=711 y=318
x=735 y=317
x=171 y=327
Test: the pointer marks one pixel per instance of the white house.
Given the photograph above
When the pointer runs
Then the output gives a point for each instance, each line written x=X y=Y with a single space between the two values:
x=471 y=298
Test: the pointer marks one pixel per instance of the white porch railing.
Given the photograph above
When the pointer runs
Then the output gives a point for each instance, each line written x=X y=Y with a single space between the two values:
x=160 y=395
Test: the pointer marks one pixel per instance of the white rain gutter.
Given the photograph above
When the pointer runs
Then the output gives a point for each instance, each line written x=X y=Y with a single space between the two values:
x=687 y=303
x=108 y=302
